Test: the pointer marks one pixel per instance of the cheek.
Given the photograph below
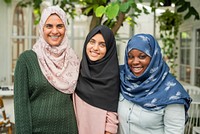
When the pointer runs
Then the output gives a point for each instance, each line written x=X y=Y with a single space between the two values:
x=103 y=51
x=46 y=32
x=45 y=35
x=147 y=62
x=129 y=62
x=62 y=31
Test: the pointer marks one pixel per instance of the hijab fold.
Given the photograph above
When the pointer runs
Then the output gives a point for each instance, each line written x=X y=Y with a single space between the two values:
x=59 y=64
x=98 y=82
x=156 y=87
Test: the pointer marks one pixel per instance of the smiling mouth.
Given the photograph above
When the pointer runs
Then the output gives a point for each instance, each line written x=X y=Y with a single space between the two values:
x=54 y=37
x=136 y=70
x=94 y=54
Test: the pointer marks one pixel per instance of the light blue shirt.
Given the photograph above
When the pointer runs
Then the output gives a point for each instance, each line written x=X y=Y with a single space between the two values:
x=133 y=119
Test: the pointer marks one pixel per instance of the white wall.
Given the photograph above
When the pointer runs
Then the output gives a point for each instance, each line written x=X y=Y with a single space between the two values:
x=4 y=44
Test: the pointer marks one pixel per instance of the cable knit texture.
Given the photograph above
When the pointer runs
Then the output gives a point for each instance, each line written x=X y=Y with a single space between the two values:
x=39 y=107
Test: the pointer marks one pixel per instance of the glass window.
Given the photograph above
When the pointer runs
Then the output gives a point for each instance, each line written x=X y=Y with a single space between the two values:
x=197 y=58
x=198 y=38
x=185 y=56
x=197 y=77
x=23 y=33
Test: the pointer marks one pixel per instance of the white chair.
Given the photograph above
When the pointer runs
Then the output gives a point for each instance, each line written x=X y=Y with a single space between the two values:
x=194 y=110
x=192 y=89
x=196 y=130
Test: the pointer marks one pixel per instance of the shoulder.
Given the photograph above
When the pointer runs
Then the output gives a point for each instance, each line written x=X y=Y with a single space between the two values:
x=27 y=54
x=26 y=57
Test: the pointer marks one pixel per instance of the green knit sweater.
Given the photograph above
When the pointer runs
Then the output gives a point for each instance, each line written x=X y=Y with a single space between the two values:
x=39 y=107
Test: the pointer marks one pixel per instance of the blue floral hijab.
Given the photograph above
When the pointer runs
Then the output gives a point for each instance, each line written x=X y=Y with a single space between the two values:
x=156 y=87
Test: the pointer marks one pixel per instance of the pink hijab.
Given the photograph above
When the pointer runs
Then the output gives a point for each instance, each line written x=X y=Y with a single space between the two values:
x=61 y=70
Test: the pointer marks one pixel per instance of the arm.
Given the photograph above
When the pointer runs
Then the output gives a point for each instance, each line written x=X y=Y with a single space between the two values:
x=174 y=119
x=111 y=123
x=22 y=109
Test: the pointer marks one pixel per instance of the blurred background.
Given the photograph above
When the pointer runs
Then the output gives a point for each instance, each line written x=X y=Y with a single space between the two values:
x=175 y=24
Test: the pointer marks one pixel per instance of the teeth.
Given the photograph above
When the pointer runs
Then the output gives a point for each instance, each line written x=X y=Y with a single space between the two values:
x=54 y=37
x=138 y=69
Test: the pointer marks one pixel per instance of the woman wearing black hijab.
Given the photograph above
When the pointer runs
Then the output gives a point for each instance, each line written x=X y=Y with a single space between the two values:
x=97 y=92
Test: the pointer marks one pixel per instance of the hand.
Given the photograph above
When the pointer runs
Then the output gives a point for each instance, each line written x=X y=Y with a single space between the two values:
x=107 y=132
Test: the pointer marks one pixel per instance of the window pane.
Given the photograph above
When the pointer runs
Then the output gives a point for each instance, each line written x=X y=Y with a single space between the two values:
x=185 y=72
x=182 y=73
x=197 y=57
x=198 y=38
x=188 y=72
x=197 y=77
x=185 y=39
x=185 y=56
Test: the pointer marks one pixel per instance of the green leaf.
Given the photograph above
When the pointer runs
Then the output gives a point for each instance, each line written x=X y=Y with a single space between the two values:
x=124 y=7
x=145 y=10
x=100 y=11
x=87 y=10
x=187 y=15
x=112 y=11
x=130 y=21
x=179 y=2
x=194 y=12
x=104 y=1
x=8 y=1
x=183 y=7
x=130 y=2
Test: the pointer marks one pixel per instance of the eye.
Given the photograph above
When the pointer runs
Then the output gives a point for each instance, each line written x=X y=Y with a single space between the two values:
x=102 y=45
x=130 y=56
x=92 y=42
x=60 y=26
x=142 y=56
x=48 y=26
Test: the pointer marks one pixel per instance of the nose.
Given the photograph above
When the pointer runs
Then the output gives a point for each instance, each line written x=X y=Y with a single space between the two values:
x=96 y=46
x=135 y=61
x=54 y=30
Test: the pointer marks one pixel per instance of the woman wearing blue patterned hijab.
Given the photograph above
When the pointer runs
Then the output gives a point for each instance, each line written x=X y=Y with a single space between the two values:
x=151 y=99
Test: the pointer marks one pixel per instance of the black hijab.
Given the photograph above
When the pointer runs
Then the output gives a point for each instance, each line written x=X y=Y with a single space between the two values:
x=98 y=82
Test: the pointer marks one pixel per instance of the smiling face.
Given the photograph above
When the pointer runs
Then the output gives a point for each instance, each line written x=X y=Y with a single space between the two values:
x=96 y=47
x=138 y=61
x=54 y=30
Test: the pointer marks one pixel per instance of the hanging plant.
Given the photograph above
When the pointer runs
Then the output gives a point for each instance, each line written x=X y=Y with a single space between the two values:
x=169 y=28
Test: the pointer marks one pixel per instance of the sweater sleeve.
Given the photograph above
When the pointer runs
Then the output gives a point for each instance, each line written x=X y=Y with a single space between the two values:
x=111 y=122
x=174 y=119
x=22 y=108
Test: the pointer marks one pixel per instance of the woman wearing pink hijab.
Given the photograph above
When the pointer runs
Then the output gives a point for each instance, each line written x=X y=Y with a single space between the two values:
x=45 y=78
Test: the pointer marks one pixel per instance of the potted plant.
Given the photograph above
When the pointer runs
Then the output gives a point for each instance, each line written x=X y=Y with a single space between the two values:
x=169 y=27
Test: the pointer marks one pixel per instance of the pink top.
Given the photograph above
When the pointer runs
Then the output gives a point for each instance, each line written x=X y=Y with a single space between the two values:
x=93 y=120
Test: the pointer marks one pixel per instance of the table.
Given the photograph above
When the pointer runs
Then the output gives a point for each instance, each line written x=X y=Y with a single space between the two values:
x=6 y=90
